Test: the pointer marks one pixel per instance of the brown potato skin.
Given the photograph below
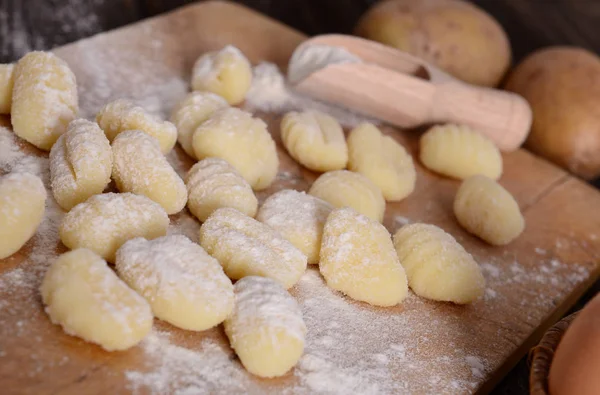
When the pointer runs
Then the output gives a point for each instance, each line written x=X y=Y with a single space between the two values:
x=562 y=84
x=574 y=368
x=454 y=35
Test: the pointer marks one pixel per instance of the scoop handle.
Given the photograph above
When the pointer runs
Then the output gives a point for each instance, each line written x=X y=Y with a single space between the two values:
x=502 y=116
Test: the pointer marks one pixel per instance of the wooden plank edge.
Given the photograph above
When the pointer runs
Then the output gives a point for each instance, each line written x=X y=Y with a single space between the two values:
x=533 y=339
x=559 y=311
x=206 y=6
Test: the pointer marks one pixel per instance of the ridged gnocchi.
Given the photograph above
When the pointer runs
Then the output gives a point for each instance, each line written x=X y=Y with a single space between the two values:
x=437 y=266
x=226 y=72
x=246 y=247
x=213 y=183
x=184 y=285
x=358 y=259
x=299 y=218
x=139 y=167
x=315 y=140
x=22 y=207
x=44 y=98
x=460 y=152
x=6 y=87
x=266 y=328
x=85 y=296
x=121 y=115
x=382 y=160
x=80 y=163
x=343 y=188
x=103 y=223
x=243 y=141
x=484 y=208
x=194 y=109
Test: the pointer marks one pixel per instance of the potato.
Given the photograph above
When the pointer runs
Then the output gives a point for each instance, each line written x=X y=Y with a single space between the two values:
x=562 y=84
x=456 y=36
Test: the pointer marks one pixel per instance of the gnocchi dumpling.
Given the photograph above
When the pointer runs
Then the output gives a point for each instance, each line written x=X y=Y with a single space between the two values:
x=184 y=285
x=343 y=188
x=315 y=140
x=382 y=160
x=358 y=259
x=299 y=218
x=6 y=87
x=121 y=115
x=243 y=141
x=139 y=167
x=194 y=109
x=22 y=207
x=85 y=296
x=460 y=152
x=213 y=183
x=227 y=73
x=44 y=98
x=104 y=222
x=437 y=266
x=484 y=208
x=266 y=328
x=246 y=247
x=80 y=163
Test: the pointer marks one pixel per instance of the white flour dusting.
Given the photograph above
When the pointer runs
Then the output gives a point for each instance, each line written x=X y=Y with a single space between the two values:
x=477 y=366
x=180 y=371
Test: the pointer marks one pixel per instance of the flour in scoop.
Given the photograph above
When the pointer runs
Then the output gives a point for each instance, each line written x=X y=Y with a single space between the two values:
x=308 y=59
x=270 y=92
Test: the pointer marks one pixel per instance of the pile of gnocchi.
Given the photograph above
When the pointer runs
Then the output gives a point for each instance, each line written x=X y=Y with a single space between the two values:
x=265 y=250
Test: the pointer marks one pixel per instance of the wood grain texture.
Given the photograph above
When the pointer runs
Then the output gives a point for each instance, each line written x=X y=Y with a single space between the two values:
x=555 y=205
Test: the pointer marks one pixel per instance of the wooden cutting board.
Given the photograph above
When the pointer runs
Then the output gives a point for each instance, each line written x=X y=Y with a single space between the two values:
x=417 y=347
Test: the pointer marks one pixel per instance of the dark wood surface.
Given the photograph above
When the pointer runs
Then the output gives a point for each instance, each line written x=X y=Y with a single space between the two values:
x=27 y=25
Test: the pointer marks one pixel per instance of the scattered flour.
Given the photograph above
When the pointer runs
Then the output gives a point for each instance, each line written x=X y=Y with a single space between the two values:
x=181 y=371
x=477 y=366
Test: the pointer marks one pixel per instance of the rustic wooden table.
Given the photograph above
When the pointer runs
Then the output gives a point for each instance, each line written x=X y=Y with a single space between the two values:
x=26 y=25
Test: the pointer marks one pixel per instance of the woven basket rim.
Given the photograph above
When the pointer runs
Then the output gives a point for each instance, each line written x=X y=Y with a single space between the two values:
x=540 y=357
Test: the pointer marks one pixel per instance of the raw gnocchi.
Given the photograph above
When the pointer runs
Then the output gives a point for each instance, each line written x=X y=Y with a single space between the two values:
x=84 y=296
x=243 y=141
x=213 y=183
x=266 y=328
x=299 y=218
x=343 y=188
x=6 y=87
x=22 y=207
x=227 y=73
x=44 y=98
x=184 y=285
x=484 y=208
x=437 y=266
x=382 y=160
x=246 y=247
x=104 y=222
x=315 y=140
x=460 y=152
x=139 y=167
x=358 y=259
x=194 y=109
x=121 y=115
x=80 y=163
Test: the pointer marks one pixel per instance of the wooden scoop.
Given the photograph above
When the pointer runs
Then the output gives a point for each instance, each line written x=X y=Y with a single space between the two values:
x=405 y=91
